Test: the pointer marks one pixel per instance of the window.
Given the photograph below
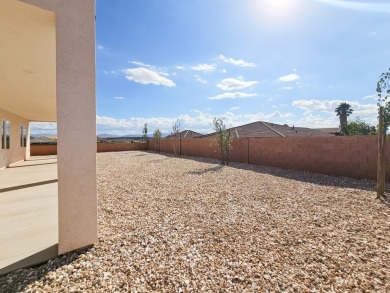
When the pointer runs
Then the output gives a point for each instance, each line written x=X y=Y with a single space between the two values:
x=5 y=130
x=7 y=135
x=23 y=136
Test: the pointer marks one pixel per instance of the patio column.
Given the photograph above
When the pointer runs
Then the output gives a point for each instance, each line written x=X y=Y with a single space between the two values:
x=76 y=121
x=76 y=118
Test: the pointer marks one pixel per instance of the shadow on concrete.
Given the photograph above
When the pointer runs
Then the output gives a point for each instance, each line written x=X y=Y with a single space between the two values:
x=18 y=280
x=32 y=158
x=32 y=165
x=32 y=260
x=27 y=185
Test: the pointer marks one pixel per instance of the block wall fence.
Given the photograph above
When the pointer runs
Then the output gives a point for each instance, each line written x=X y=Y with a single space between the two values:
x=352 y=156
x=51 y=149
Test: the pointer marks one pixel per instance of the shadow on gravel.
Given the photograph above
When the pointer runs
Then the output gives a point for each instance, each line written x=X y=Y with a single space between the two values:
x=303 y=176
x=18 y=280
x=140 y=155
x=207 y=170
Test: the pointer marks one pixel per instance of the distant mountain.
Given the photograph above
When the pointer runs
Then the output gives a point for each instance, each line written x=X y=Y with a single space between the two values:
x=106 y=135
x=43 y=134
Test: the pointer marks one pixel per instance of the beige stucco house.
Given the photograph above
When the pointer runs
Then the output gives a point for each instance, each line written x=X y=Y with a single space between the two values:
x=47 y=73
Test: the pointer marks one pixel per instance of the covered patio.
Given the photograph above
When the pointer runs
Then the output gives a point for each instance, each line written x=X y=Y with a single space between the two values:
x=28 y=213
x=45 y=77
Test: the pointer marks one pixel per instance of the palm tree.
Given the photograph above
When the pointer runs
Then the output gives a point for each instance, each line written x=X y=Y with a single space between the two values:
x=343 y=111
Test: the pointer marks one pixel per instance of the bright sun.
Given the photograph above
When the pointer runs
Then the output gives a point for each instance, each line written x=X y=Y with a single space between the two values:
x=277 y=10
x=277 y=6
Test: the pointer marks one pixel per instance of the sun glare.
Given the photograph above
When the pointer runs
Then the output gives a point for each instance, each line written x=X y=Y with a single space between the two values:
x=277 y=10
x=278 y=6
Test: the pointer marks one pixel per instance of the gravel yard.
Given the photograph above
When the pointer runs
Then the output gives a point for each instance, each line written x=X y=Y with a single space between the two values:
x=187 y=224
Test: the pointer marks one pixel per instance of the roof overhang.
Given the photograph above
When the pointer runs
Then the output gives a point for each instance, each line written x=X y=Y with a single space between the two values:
x=28 y=61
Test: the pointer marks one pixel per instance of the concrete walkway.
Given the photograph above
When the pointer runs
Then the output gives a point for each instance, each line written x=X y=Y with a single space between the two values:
x=28 y=213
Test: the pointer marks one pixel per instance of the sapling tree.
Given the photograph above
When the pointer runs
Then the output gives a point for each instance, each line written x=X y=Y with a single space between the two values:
x=223 y=139
x=383 y=91
x=175 y=134
x=157 y=139
x=145 y=132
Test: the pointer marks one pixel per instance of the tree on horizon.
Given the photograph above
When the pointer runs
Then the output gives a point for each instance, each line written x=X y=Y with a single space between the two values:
x=343 y=111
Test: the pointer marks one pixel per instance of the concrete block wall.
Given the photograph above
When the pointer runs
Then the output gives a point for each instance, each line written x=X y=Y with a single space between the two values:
x=120 y=147
x=43 y=149
x=46 y=150
x=354 y=156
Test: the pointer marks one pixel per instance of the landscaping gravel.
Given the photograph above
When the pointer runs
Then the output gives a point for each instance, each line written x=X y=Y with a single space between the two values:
x=170 y=224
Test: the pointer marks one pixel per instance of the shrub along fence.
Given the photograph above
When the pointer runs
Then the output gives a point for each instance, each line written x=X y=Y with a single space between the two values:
x=350 y=156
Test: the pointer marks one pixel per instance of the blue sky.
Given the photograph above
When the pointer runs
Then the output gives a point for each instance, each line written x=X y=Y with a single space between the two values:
x=282 y=61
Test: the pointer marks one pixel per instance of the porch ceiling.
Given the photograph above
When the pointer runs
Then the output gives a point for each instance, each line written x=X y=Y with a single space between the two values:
x=28 y=61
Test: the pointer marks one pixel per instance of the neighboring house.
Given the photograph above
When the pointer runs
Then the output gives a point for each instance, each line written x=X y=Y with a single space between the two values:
x=185 y=134
x=266 y=129
x=334 y=130
x=48 y=74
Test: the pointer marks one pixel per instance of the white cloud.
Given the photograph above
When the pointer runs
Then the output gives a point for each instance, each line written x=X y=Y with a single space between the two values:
x=147 y=76
x=119 y=98
x=194 y=120
x=311 y=120
x=230 y=84
x=362 y=6
x=103 y=49
x=371 y=97
x=198 y=78
x=43 y=128
x=235 y=95
x=234 y=108
x=178 y=67
x=367 y=112
x=159 y=70
x=281 y=105
x=223 y=71
x=139 y=63
x=289 y=77
x=110 y=72
x=204 y=67
x=238 y=62
x=286 y=88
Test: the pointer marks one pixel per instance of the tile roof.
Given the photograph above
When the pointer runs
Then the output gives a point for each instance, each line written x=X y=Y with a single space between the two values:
x=186 y=134
x=266 y=129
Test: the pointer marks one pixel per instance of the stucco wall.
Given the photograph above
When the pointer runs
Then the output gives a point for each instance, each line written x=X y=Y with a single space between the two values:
x=16 y=153
x=354 y=156
x=76 y=120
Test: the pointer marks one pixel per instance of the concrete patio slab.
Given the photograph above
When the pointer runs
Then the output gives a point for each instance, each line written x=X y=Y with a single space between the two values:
x=28 y=213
